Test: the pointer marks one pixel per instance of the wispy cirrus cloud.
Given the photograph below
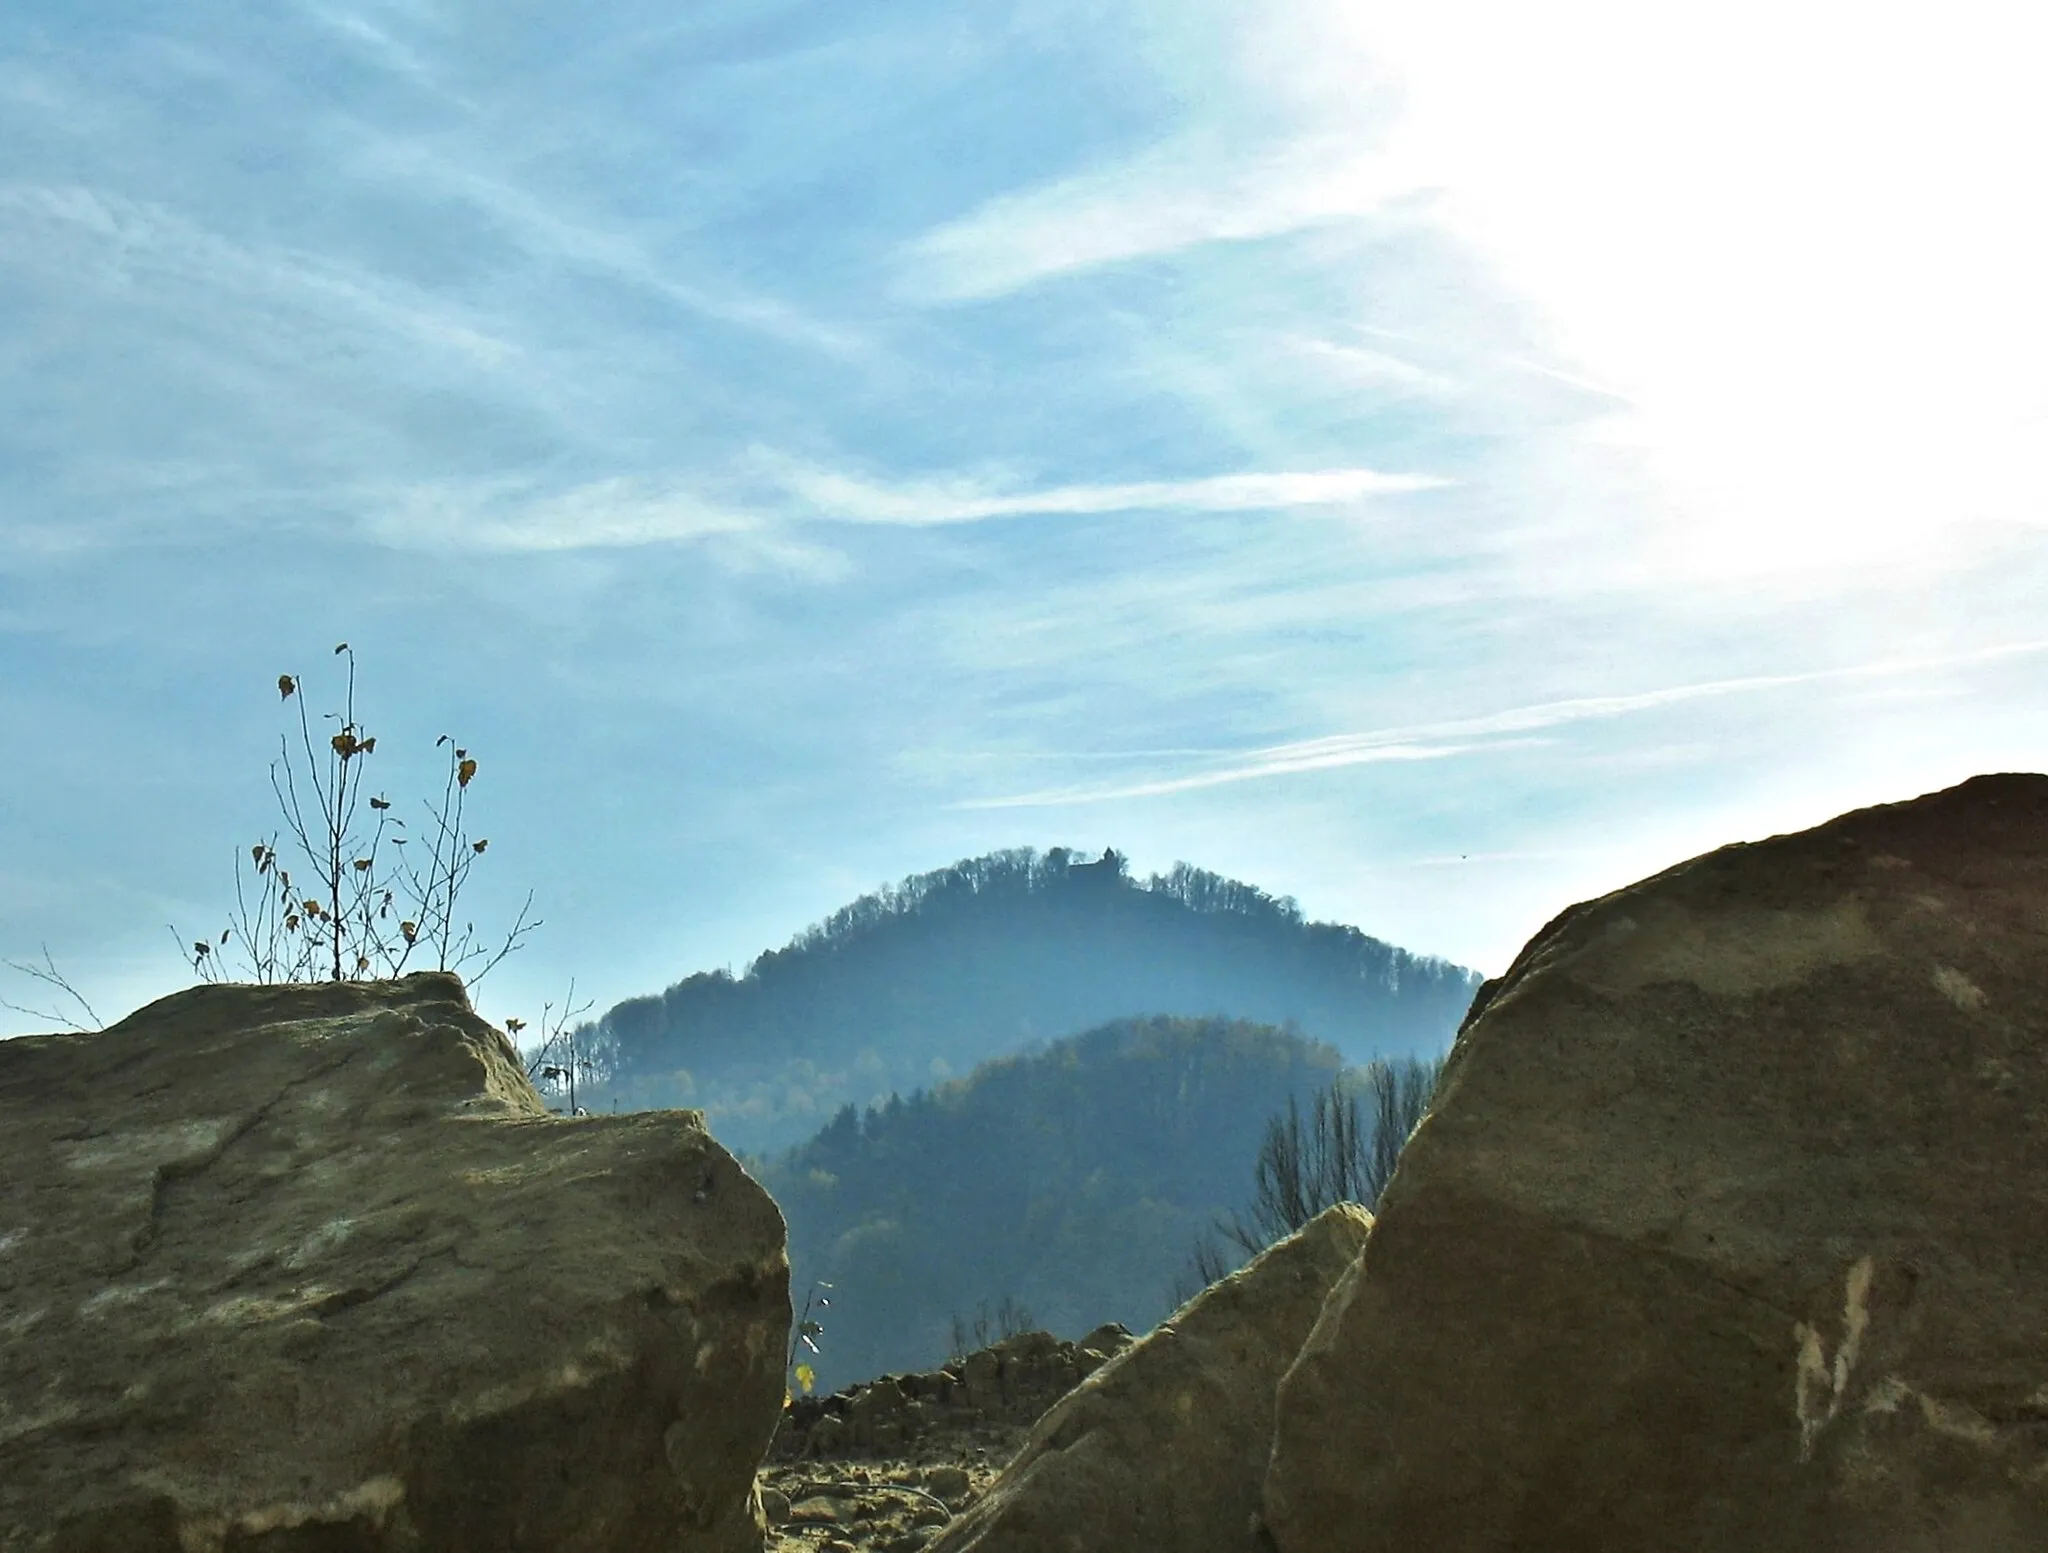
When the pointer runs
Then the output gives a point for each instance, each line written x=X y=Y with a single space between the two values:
x=845 y=498
x=1189 y=191
x=146 y=254
x=551 y=230
x=1463 y=736
x=512 y=515
x=753 y=510
x=378 y=42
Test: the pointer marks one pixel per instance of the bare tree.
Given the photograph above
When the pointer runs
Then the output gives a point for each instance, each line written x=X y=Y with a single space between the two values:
x=555 y=1064
x=1011 y=1318
x=1209 y=1261
x=1338 y=1153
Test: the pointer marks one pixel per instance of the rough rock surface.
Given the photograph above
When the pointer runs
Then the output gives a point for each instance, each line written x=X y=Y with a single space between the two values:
x=1729 y=1228
x=1010 y=1382
x=310 y=1268
x=881 y=1467
x=1164 y=1448
x=884 y=1504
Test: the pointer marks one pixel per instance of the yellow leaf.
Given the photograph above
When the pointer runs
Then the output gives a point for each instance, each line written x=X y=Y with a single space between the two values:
x=362 y=865
x=285 y=686
x=411 y=930
x=464 y=772
x=806 y=1377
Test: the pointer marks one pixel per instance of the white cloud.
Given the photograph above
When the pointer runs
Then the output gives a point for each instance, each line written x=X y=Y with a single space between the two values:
x=511 y=515
x=1189 y=191
x=1463 y=736
x=138 y=250
x=620 y=513
x=516 y=515
x=1366 y=367
x=378 y=42
x=844 y=498
x=1799 y=251
x=1285 y=761
x=550 y=230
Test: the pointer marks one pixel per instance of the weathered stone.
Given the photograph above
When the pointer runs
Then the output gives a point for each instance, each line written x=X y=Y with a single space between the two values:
x=827 y=1437
x=821 y=1510
x=1164 y=1447
x=1099 y=1347
x=1728 y=1232
x=310 y=1268
x=1011 y=1383
x=982 y=1374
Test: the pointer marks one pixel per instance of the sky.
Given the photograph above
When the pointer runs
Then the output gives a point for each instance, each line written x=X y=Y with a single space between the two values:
x=1437 y=462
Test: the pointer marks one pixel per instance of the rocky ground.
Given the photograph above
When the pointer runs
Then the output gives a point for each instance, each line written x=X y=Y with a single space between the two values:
x=884 y=1466
x=891 y=1504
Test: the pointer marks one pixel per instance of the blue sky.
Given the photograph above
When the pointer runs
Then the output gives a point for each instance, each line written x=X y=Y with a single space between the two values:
x=1437 y=466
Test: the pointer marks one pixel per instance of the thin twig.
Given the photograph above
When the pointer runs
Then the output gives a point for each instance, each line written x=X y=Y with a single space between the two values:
x=49 y=975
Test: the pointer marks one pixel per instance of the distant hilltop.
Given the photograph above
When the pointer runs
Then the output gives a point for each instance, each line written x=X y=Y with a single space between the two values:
x=916 y=983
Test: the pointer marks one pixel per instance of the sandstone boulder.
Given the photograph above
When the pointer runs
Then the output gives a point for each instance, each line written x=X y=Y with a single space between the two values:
x=1163 y=1448
x=1728 y=1230
x=310 y=1268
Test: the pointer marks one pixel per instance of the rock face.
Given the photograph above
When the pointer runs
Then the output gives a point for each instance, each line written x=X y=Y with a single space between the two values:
x=1729 y=1228
x=1164 y=1447
x=311 y=1268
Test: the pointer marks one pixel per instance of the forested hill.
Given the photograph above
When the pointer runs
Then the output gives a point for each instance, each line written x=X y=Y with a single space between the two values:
x=1073 y=1182
x=913 y=984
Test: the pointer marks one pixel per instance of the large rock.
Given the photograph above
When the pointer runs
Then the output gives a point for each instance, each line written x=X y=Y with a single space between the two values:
x=311 y=1268
x=1729 y=1228
x=1162 y=1450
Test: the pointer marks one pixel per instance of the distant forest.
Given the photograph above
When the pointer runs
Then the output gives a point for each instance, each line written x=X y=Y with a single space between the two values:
x=914 y=984
x=1074 y=1182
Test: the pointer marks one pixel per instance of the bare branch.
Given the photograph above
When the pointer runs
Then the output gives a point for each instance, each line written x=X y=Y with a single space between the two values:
x=48 y=974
